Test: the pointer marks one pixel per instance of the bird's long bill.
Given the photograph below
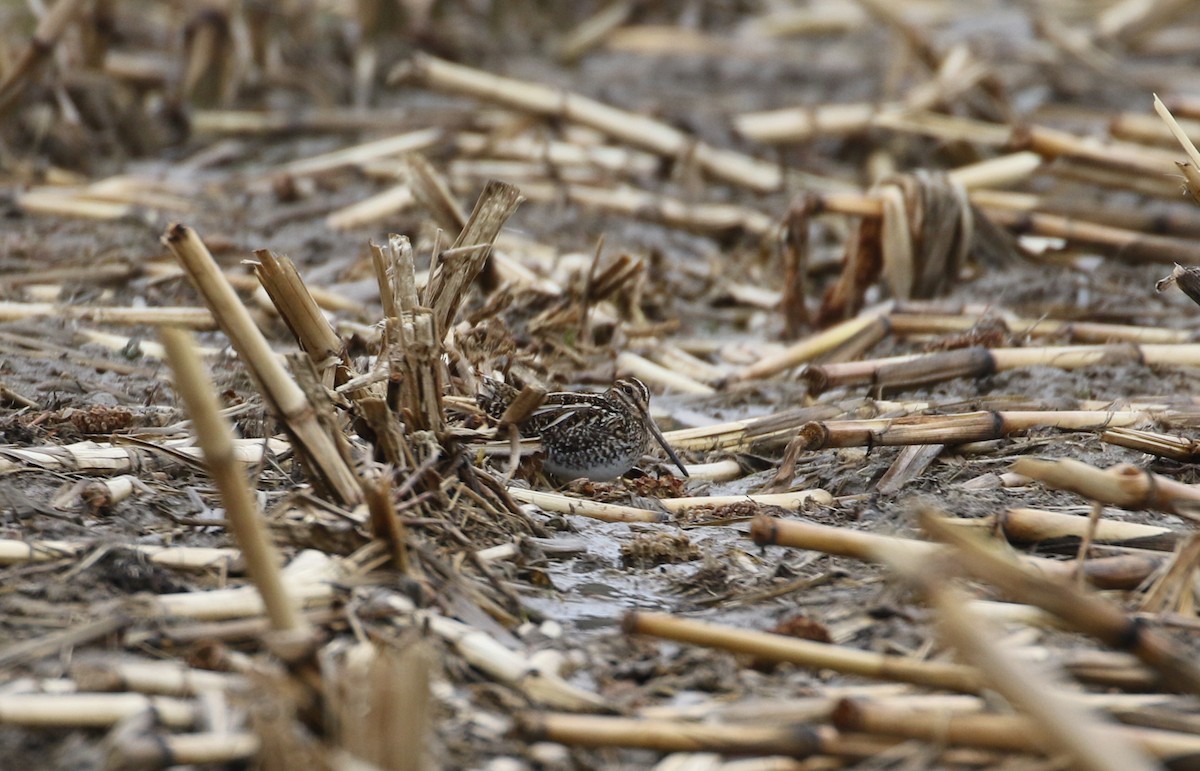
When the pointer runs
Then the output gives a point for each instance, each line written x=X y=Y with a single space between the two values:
x=662 y=442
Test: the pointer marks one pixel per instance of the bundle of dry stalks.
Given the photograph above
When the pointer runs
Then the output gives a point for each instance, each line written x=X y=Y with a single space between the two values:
x=855 y=250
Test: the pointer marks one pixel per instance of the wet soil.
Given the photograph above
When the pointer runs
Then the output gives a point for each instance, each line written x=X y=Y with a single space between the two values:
x=574 y=599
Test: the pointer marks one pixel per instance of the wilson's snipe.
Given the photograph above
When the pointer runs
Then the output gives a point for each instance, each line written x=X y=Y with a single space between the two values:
x=598 y=436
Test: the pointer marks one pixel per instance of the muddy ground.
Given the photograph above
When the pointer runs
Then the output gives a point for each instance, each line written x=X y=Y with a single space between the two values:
x=574 y=599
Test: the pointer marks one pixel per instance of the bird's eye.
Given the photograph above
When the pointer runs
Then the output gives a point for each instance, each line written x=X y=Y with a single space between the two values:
x=634 y=390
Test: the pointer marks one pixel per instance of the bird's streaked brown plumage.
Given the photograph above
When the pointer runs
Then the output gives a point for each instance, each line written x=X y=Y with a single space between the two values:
x=595 y=435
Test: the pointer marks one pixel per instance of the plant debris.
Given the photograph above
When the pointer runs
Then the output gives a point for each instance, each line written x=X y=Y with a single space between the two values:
x=303 y=308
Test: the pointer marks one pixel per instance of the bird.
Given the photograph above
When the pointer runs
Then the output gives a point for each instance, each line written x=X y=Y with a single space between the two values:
x=599 y=436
